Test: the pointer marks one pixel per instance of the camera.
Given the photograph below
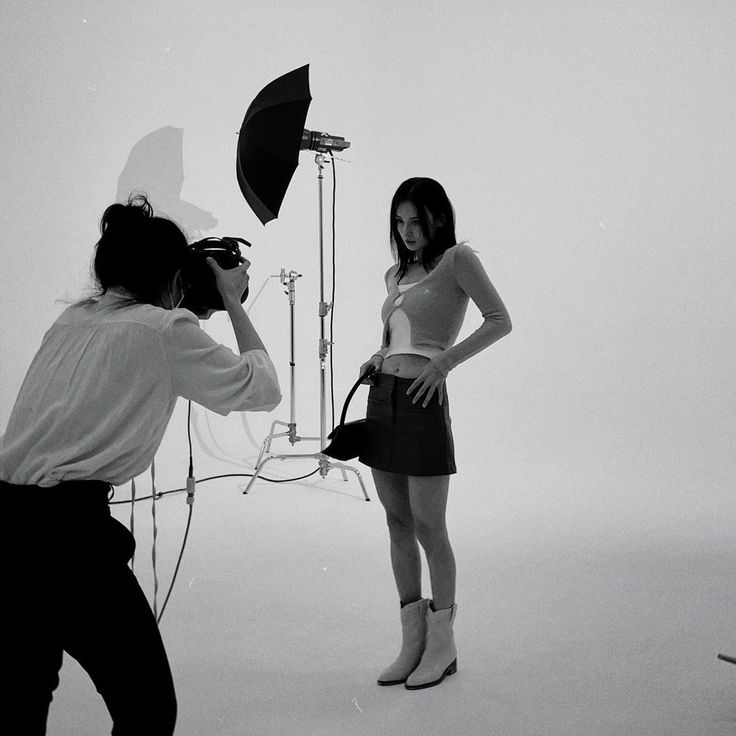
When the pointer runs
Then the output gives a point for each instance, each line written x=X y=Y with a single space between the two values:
x=198 y=280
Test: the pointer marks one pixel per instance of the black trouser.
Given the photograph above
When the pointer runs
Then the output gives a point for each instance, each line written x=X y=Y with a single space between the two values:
x=71 y=590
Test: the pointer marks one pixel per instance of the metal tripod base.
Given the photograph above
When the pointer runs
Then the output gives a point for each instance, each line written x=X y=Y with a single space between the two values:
x=326 y=463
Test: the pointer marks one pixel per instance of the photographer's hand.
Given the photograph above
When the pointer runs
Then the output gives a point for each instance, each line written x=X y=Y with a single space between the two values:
x=231 y=283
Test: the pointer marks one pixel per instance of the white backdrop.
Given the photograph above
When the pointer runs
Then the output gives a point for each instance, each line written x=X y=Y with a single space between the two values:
x=589 y=153
x=589 y=149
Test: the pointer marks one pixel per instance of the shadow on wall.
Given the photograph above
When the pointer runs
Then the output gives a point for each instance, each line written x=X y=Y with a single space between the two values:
x=156 y=166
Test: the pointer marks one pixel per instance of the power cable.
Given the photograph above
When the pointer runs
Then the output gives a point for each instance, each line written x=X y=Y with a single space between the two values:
x=332 y=311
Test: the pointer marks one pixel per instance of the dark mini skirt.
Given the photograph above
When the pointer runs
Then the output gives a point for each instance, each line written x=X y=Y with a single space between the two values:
x=407 y=438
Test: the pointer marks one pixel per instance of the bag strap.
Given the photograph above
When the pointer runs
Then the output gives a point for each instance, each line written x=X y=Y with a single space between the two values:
x=370 y=370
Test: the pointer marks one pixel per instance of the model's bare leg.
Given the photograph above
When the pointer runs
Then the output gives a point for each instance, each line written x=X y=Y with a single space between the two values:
x=428 y=500
x=406 y=561
x=392 y=489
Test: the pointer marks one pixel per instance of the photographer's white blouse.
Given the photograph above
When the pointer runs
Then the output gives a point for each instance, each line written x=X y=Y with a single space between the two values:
x=101 y=389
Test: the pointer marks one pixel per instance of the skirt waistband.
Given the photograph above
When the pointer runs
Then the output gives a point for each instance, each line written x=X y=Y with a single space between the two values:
x=388 y=379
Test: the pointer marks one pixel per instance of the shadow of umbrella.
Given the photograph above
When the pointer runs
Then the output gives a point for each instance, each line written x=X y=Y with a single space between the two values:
x=156 y=166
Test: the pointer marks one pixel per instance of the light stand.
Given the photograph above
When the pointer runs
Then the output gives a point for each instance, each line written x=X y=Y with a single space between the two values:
x=326 y=463
x=288 y=280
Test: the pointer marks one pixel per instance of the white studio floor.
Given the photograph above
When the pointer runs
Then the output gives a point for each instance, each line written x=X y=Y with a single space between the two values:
x=284 y=612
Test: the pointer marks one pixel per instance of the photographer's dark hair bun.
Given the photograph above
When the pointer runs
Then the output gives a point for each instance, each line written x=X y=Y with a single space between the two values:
x=136 y=210
x=138 y=250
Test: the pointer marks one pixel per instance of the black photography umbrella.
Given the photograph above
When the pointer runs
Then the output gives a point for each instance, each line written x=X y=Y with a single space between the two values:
x=269 y=141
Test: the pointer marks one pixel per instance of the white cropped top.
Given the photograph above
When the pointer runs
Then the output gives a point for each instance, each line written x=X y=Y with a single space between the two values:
x=399 y=328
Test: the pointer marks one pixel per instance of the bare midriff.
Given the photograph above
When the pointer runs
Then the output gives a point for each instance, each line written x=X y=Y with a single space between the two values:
x=404 y=365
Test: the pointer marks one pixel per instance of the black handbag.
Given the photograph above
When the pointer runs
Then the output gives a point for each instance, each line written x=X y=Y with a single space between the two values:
x=348 y=437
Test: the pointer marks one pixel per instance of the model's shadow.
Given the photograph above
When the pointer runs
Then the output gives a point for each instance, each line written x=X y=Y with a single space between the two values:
x=155 y=167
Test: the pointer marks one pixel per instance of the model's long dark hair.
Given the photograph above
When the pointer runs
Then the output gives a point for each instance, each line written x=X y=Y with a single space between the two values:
x=138 y=251
x=425 y=194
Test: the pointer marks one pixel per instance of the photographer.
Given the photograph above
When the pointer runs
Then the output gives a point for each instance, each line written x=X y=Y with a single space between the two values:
x=90 y=414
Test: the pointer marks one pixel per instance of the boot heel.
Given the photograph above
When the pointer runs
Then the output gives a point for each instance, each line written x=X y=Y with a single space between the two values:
x=451 y=670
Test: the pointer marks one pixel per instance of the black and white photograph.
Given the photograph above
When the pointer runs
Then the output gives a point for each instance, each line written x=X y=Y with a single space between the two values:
x=367 y=368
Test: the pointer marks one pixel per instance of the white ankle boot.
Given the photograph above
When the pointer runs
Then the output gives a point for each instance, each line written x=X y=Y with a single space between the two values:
x=413 y=629
x=440 y=655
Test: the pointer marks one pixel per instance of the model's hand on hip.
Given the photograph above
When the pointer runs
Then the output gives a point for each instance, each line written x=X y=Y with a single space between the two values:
x=431 y=379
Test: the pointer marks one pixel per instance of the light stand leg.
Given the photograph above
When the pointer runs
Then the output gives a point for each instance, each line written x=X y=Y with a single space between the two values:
x=266 y=444
x=317 y=456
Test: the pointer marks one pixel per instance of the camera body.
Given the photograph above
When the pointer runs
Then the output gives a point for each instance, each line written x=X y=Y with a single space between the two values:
x=198 y=280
